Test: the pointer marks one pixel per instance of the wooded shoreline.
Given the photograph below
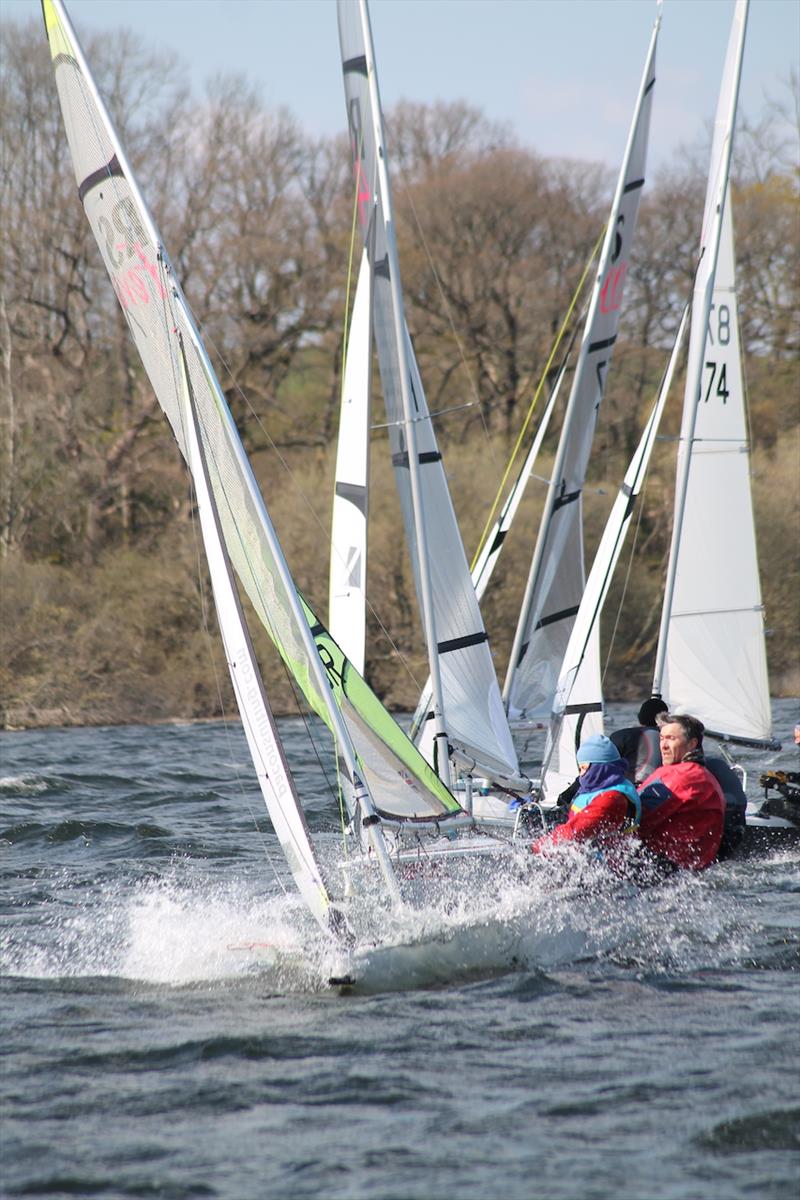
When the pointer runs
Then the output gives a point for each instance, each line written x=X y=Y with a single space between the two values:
x=101 y=599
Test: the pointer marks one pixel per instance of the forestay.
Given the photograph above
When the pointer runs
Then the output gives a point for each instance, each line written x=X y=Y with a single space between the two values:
x=556 y=578
x=471 y=720
x=155 y=309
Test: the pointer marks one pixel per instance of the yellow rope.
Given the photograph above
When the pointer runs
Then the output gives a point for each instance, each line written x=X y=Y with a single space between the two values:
x=536 y=395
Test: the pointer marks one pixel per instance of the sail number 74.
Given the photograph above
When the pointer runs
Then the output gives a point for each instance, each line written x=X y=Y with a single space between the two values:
x=721 y=388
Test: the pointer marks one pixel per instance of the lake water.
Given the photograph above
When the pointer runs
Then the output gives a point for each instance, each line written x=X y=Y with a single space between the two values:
x=169 y=1029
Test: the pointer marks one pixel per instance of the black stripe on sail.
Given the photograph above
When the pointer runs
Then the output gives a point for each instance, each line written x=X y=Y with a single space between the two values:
x=470 y=639
x=633 y=186
x=601 y=345
x=631 y=494
x=65 y=60
x=557 y=616
x=650 y=85
x=356 y=493
x=357 y=65
x=317 y=629
x=427 y=457
x=500 y=537
x=111 y=168
x=567 y=498
x=571 y=709
x=523 y=652
x=382 y=267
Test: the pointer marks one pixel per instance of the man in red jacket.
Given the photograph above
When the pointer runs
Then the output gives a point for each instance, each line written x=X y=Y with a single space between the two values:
x=683 y=808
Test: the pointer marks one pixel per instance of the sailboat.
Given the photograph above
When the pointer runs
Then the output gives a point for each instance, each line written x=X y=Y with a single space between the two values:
x=465 y=731
x=556 y=578
x=711 y=659
x=390 y=797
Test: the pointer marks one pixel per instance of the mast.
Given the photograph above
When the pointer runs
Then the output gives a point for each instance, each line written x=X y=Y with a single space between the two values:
x=719 y=172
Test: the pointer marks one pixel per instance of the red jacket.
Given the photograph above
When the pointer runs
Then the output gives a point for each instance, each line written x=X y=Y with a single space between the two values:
x=683 y=812
x=602 y=819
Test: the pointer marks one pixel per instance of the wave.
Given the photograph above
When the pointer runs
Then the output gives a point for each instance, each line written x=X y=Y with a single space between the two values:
x=186 y=928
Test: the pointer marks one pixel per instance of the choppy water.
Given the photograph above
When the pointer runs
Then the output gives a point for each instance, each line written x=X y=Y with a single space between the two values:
x=169 y=1029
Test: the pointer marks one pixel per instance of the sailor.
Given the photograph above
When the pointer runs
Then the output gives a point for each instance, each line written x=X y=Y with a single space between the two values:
x=735 y=803
x=640 y=744
x=683 y=808
x=605 y=805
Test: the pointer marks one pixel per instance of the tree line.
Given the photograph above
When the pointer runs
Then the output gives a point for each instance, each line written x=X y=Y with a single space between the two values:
x=101 y=595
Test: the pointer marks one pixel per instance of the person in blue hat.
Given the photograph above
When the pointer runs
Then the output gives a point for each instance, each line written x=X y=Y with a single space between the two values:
x=606 y=805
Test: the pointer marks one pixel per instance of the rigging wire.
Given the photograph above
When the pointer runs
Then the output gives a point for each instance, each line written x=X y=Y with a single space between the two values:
x=529 y=415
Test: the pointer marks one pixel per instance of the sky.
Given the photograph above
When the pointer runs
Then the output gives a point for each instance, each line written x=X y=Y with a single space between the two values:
x=563 y=73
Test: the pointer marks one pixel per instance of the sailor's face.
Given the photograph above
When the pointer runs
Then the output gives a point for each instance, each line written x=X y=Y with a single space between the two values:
x=675 y=745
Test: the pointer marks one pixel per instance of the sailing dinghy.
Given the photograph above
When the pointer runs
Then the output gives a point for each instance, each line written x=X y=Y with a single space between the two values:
x=465 y=731
x=391 y=798
x=712 y=657
x=556 y=578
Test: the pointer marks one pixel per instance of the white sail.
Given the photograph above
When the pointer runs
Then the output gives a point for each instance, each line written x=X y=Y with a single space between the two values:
x=156 y=310
x=467 y=710
x=489 y=554
x=715 y=665
x=578 y=705
x=711 y=659
x=556 y=578
x=272 y=770
x=348 y=570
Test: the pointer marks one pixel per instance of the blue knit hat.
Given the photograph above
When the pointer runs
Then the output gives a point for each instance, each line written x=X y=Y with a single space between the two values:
x=598 y=749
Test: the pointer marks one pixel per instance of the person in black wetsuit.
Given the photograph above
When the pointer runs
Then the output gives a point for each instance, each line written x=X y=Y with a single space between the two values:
x=639 y=744
x=735 y=802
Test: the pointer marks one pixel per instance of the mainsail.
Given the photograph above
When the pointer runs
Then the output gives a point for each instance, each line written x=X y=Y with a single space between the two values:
x=157 y=312
x=716 y=664
x=489 y=554
x=274 y=777
x=556 y=578
x=711 y=658
x=467 y=717
x=578 y=691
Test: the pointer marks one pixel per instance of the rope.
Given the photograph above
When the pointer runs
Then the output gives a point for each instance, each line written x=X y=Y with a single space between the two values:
x=554 y=350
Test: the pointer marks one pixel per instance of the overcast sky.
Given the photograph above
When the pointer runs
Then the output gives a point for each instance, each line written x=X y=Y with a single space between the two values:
x=563 y=73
